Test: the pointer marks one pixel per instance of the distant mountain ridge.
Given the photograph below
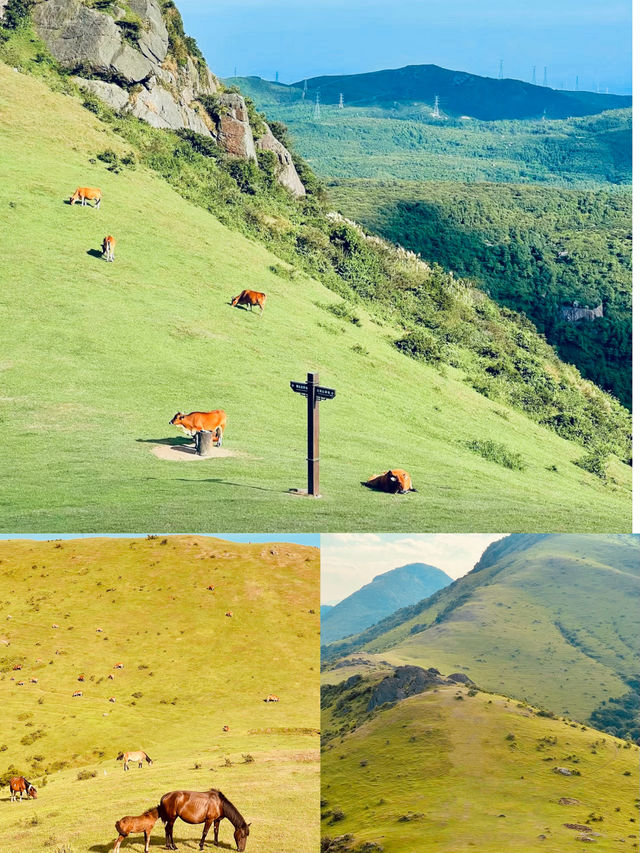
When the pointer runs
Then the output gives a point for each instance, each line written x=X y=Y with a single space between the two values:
x=460 y=94
x=383 y=595
x=552 y=619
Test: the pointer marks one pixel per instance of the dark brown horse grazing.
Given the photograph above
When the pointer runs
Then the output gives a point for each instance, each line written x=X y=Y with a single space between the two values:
x=208 y=807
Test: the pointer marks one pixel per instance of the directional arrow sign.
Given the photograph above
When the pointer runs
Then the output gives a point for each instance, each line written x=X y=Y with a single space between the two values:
x=314 y=393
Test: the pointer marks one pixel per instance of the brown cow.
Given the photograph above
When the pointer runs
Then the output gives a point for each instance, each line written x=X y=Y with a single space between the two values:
x=225 y=728
x=250 y=298
x=76 y=694
x=81 y=678
x=108 y=248
x=19 y=785
x=142 y=823
x=395 y=481
x=272 y=698
x=194 y=422
x=85 y=194
x=119 y=666
x=17 y=666
x=228 y=613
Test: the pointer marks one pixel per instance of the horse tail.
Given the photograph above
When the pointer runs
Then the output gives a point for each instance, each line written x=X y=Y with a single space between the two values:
x=162 y=812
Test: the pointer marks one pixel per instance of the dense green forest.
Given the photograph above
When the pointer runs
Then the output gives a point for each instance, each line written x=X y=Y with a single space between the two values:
x=411 y=145
x=533 y=249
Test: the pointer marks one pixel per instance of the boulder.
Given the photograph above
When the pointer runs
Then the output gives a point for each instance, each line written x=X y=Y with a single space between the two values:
x=84 y=40
x=285 y=170
x=110 y=93
x=154 y=40
x=233 y=128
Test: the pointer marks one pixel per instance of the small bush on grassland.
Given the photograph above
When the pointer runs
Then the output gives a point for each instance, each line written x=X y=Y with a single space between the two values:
x=496 y=451
x=86 y=774
x=595 y=462
x=421 y=345
x=248 y=758
x=342 y=310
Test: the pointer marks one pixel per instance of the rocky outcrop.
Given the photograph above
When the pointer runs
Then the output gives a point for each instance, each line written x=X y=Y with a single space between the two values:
x=285 y=170
x=406 y=681
x=232 y=126
x=124 y=58
x=575 y=312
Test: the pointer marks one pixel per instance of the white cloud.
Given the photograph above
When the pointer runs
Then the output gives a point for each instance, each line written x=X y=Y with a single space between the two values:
x=351 y=560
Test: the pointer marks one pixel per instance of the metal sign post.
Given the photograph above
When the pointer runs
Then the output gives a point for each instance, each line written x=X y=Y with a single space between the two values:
x=314 y=393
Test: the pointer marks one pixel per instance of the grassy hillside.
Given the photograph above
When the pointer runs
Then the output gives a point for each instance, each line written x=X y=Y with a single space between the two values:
x=460 y=94
x=408 y=144
x=552 y=619
x=188 y=671
x=534 y=249
x=385 y=594
x=109 y=352
x=452 y=769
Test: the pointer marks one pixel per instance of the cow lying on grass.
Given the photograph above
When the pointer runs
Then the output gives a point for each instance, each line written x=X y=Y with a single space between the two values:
x=142 y=823
x=396 y=481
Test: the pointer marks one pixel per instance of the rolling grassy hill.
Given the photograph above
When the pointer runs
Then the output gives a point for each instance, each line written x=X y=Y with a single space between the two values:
x=553 y=619
x=383 y=595
x=105 y=354
x=460 y=94
x=452 y=769
x=188 y=671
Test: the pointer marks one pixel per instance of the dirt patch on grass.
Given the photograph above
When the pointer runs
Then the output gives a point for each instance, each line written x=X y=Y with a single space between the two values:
x=187 y=453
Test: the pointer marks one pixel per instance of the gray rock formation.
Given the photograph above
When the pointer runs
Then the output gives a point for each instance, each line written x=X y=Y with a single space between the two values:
x=136 y=73
x=285 y=170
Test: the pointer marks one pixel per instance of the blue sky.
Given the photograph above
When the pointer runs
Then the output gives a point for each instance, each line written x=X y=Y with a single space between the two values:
x=587 y=38
x=351 y=560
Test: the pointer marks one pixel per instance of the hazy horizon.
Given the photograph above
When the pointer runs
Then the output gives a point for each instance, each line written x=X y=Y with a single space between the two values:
x=574 y=38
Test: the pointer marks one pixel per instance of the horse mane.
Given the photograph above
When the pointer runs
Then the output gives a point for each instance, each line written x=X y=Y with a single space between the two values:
x=230 y=811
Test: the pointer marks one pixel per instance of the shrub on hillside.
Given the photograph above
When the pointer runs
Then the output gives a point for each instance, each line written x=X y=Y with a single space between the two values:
x=595 y=462
x=86 y=774
x=422 y=345
x=496 y=451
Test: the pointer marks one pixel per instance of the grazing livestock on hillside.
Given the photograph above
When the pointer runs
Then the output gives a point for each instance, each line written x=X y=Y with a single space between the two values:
x=136 y=757
x=395 y=481
x=18 y=785
x=250 y=298
x=85 y=194
x=229 y=613
x=194 y=422
x=272 y=698
x=202 y=807
x=76 y=694
x=119 y=666
x=141 y=823
x=108 y=248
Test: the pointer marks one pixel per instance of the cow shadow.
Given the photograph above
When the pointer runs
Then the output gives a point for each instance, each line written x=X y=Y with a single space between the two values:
x=174 y=441
x=95 y=253
x=221 y=482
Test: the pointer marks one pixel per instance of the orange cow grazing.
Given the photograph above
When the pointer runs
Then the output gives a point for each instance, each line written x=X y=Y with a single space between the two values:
x=111 y=676
x=272 y=698
x=395 y=481
x=194 y=422
x=119 y=666
x=142 y=823
x=228 y=613
x=108 y=247
x=81 y=677
x=250 y=298
x=76 y=694
x=85 y=194
x=17 y=666
x=225 y=728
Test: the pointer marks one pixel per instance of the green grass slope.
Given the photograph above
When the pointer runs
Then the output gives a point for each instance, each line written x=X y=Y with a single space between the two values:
x=552 y=618
x=188 y=671
x=103 y=355
x=449 y=770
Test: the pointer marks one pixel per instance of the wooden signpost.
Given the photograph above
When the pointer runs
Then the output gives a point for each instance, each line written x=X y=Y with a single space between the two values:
x=314 y=393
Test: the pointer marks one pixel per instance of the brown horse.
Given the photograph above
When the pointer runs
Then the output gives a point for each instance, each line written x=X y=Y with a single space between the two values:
x=208 y=807
x=141 y=823
x=18 y=786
